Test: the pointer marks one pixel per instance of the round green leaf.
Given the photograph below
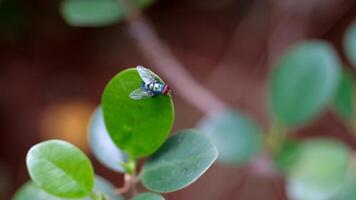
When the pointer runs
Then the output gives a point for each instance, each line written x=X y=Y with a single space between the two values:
x=148 y=196
x=30 y=191
x=347 y=189
x=180 y=161
x=138 y=127
x=60 y=169
x=303 y=82
x=101 y=144
x=288 y=155
x=236 y=137
x=343 y=102
x=320 y=170
x=350 y=43
x=92 y=12
x=95 y=13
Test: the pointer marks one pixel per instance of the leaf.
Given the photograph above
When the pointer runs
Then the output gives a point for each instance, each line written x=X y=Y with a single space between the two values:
x=350 y=43
x=30 y=191
x=236 y=137
x=92 y=13
x=138 y=127
x=60 y=169
x=101 y=144
x=148 y=196
x=303 y=82
x=288 y=155
x=96 y=13
x=320 y=170
x=347 y=190
x=180 y=161
x=343 y=102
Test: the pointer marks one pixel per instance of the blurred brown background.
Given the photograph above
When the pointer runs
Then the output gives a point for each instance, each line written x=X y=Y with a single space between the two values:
x=52 y=75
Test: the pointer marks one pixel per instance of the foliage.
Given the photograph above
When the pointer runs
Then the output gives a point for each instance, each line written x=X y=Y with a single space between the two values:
x=179 y=162
x=96 y=13
x=304 y=82
x=343 y=102
x=101 y=144
x=350 y=43
x=148 y=196
x=61 y=169
x=237 y=137
x=31 y=191
x=319 y=171
x=136 y=127
x=139 y=127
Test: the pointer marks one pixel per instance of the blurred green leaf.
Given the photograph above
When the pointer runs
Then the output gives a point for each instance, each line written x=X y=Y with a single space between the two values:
x=303 y=82
x=288 y=155
x=138 y=127
x=343 y=102
x=319 y=171
x=95 y=13
x=236 y=137
x=30 y=191
x=180 y=161
x=347 y=190
x=350 y=43
x=92 y=12
x=148 y=196
x=60 y=169
x=101 y=144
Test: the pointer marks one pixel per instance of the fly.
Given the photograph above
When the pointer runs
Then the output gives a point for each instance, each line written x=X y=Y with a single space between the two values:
x=151 y=85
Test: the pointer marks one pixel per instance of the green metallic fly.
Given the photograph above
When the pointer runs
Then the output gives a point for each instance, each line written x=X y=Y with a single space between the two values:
x=151 y=85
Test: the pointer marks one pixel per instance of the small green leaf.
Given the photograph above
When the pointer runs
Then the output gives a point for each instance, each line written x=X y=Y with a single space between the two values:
x=343 y=102
x=101 y=144
x=95 y=13
x=60 y=169
x=30 y=191
x=347 y=189
x=304 y=81
x=180 y=161
x=288 y=156
x=92 y=12
x=350 y=43
x=138 y=127
x=319 y=171
x=148 y=196
x=236 y=137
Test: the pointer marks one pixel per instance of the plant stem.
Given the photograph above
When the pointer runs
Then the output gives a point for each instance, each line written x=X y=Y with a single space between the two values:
x=351 y=123
x=130 y=178
x=275 y=138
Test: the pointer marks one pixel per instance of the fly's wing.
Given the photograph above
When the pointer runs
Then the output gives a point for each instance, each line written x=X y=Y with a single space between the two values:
x=147 y=75
x=140 y=93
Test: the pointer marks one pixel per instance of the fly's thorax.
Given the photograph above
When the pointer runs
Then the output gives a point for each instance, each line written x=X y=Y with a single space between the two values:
x=155 y=87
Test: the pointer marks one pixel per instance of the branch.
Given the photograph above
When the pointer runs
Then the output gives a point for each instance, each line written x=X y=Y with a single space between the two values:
x=164 y=61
